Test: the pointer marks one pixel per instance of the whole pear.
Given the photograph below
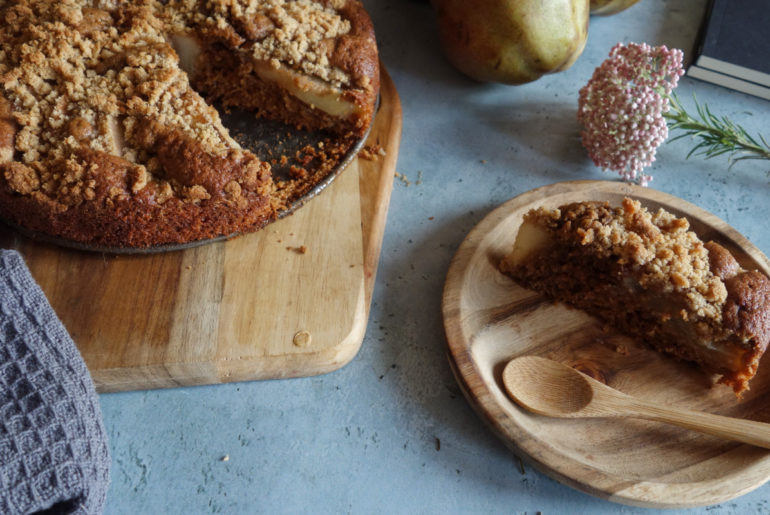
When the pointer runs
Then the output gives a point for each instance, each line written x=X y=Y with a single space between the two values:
x=512 y=41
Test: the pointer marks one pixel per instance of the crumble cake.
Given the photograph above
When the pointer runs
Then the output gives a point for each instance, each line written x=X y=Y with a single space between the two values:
x=651 y=277
x=108 y=136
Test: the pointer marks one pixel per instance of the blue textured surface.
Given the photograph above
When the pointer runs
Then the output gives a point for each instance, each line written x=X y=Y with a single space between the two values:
x=390 y=432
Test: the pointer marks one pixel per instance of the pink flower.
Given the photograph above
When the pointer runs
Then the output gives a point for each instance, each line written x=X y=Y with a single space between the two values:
x=622 y=106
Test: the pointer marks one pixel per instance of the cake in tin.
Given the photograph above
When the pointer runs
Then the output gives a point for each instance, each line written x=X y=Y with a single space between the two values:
x=108 y=136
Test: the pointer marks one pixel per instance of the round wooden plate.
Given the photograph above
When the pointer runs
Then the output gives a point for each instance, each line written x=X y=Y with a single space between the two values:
x=489 y=320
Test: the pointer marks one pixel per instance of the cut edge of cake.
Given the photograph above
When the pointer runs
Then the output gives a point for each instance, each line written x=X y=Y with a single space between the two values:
x=265 y=52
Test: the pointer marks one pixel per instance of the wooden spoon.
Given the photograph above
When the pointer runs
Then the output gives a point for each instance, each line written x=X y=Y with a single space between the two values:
x=547 y=387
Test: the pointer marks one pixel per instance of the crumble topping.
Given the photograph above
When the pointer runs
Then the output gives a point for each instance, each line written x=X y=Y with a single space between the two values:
x=660 y=246
x=77 y=81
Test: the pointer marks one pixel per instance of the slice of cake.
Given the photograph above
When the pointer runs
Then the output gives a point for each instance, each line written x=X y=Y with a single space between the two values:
x=108 y=136
x=651 y=277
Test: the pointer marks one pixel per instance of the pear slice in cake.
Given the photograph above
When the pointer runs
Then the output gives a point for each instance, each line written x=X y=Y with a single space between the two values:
x=649 y=276
x=311 y=64
x=314 y=92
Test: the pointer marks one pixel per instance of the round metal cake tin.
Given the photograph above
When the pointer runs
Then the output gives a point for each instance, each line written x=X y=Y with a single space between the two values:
x=268 y=140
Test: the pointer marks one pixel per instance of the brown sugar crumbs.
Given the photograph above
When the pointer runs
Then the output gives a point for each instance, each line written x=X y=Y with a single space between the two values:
x=372 y=152
x=116 y=80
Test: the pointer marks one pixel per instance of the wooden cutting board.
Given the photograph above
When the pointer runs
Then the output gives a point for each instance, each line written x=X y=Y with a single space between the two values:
x=288 y=301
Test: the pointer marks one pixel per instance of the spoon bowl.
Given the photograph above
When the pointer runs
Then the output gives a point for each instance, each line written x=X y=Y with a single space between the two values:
x=547 y=387
x=550 y=388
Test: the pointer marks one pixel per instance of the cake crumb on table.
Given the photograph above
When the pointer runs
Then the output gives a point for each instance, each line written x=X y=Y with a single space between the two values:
x=403 y=178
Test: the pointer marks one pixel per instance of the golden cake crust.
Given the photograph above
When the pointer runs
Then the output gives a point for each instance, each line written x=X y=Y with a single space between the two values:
x=103 y=139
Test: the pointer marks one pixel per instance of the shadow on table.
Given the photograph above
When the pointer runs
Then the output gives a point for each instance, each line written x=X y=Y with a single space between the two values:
x=546 y=132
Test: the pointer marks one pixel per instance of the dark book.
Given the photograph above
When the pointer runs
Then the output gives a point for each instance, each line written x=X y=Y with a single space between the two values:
x=734 y=49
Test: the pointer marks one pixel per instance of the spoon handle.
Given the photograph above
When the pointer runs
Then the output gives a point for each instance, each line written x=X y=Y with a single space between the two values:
x=740 y=430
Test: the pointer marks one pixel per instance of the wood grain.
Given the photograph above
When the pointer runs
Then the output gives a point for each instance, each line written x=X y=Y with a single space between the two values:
x=551 y=388
x=489 y=320
x=255 y=307
x=376 y=178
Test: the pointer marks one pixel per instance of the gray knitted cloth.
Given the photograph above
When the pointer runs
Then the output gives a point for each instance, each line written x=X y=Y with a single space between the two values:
x=53 y=447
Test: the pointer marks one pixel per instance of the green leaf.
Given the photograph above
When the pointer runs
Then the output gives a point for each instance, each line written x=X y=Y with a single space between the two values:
x=717 y=135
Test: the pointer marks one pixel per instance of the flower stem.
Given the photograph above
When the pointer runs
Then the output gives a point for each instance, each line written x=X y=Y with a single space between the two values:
x=717 y=135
